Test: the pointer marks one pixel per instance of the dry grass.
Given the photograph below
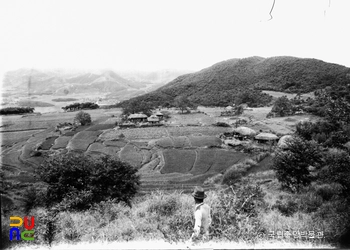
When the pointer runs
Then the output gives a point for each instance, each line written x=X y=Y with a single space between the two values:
x=161 y=220
x=161 y=244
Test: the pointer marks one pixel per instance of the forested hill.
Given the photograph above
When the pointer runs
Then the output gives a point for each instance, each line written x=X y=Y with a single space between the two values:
x=222 y=82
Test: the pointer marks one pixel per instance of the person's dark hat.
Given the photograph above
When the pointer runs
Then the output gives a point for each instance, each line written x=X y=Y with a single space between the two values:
x=199 y=193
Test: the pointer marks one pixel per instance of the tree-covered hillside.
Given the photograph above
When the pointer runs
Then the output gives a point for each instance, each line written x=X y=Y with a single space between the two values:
x=222 y=83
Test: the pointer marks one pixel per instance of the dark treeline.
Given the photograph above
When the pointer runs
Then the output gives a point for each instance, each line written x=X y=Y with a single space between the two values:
x=251 y=97
x=16 y=110
x=79 y=106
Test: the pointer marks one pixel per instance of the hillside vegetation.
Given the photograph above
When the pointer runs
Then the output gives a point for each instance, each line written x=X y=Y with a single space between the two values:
x=223 y=83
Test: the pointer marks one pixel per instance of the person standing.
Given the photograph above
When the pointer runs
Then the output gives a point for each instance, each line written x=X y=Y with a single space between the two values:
x=201 y=215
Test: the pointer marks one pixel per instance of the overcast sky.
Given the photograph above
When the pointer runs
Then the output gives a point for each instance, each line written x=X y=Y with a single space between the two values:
x=168 y=34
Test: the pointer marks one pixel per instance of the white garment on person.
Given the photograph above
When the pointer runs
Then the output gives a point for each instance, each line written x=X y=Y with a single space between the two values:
x=202 y=219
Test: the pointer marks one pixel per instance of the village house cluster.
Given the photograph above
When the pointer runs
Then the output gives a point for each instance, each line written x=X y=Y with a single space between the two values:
x=135 y=120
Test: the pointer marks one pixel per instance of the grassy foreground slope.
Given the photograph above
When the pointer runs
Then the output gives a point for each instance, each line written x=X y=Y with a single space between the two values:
x=222 y=82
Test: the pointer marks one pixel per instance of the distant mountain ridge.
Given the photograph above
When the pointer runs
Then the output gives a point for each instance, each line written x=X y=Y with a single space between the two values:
x=222 y=82
x=59 y=82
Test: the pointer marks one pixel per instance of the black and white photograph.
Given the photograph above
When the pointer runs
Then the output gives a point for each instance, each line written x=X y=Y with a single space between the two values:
x=175 y=124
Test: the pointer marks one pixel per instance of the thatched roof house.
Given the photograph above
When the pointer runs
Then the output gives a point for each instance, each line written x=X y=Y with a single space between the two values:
x=137 y=118
x=159 y=114
x=263 y=137
x=153 y=119
x=245 y=131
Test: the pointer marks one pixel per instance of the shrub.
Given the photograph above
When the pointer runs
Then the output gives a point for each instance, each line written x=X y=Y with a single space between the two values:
x=310 y=201
x=286 y=207
x=234 y=174
x=77 y=181
x=337 y=170
x=216 y=179
x=222 y=124
x=79 y=106
x=83 y=117
x=165 y=206
x=235 y=214
x=16 y=110
x=328 y=191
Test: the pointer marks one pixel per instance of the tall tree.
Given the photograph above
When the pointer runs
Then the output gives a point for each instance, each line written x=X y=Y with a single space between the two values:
x=183 y=103
x=282 y=106
x=292 y=165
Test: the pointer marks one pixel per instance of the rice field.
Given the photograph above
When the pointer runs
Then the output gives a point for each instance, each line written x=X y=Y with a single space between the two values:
x=78 y=145
x=178 y=160
x=204 y=141
x=116 y=143
x=165 y=142
x=10 y=138
x=225 y=159
x=131 y=155
x=98 y=127
x=61 y=142
x=87 y=135
x=196 y=130
x=176 y=155
x=100 y=148
x=205 y=159
x=181 y=142
x=189 y=119
x=48 y=143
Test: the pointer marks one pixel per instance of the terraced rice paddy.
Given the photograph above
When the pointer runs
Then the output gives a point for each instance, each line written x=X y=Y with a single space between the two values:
x=168 y=157
x=204 y=141
x=205 y=159
x=131 y=155
x=98 y=127
x=102 y=149
x=78 y=145
x=48 y=143
x=178 y=160
x=61 y=142
x=196 y=130
x=117 y=143
x=181 y=142
x=10 y=138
